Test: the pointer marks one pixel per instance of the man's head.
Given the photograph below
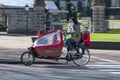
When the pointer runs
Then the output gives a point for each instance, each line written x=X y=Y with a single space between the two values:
x=74 y=20
x=71 y=20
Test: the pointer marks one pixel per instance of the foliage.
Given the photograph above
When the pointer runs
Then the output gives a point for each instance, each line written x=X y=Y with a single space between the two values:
x=57 y=3
x=84 y=14
x=1 y=26
x=71 y=10
x=79 y=6
x=39 y=2
x=68 y=8
x=67 y=0
x=74 y=13
x=79 y=15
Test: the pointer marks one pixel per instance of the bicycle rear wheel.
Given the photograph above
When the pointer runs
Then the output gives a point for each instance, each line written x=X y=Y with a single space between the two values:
x=81 y=59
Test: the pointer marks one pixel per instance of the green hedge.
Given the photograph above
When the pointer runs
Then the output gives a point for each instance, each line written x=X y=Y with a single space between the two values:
x=1 y=26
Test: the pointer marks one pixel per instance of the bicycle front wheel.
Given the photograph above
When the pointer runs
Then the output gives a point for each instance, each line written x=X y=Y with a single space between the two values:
x=27 y=58
x=81 y=59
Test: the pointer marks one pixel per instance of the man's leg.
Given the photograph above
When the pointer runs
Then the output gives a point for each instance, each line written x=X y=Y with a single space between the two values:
x=69 y=42
x=71 y=45
x=83 y=51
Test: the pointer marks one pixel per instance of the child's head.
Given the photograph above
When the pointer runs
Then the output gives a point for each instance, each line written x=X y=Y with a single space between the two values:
x=86 y=28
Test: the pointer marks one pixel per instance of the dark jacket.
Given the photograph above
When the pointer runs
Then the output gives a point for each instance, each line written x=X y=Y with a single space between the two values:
x=76 y=34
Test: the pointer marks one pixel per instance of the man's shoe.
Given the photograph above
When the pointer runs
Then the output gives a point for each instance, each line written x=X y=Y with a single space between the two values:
x=70 y=52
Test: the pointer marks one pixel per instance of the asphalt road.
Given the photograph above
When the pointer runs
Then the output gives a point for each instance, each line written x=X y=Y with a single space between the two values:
x=104 y=64
x=53 y=72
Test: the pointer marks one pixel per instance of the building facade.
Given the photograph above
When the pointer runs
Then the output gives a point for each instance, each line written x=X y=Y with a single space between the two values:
x=17 y=20
x=112 y=10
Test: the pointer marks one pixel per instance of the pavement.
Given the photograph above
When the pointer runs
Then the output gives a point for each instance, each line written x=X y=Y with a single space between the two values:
x=13 y=45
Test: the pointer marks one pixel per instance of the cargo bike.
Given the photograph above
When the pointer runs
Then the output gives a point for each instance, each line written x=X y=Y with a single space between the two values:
x=50 y=45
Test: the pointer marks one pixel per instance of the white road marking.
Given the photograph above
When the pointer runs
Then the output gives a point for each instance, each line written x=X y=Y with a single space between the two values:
x=102 y=59
x=113 y=69
x=115 y=72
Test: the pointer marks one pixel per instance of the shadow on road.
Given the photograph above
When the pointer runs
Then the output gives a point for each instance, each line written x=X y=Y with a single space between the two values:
x=54 y=65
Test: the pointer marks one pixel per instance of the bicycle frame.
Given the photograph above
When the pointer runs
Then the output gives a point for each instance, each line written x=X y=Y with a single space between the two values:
x=49 y=46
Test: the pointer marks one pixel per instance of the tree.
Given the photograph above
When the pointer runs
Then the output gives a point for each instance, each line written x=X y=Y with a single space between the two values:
x=74 y=12
x=39 y=3
x=68 y=8
x=89 y=8
x=67 y=0
x=108 y=3
x=79 y=6
x=57 y=3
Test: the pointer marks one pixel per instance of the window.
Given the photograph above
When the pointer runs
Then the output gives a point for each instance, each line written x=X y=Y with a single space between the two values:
x=49 y=39
x=115 y=3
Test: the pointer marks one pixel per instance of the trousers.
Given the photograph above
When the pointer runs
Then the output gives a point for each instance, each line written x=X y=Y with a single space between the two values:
x=71 y=44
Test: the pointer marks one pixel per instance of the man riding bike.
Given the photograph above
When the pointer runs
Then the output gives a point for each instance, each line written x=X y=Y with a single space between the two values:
x=74 y=30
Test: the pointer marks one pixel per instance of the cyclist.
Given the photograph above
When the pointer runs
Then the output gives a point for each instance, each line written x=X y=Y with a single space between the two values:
x=74 y=29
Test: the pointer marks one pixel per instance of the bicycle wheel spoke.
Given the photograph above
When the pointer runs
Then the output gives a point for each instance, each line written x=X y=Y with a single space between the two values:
x=81 y=59
x=27 y=58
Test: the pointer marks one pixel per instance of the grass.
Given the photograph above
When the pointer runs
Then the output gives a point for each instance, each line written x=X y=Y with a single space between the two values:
x=109 y=37
x=106 y=37
x=113 y=20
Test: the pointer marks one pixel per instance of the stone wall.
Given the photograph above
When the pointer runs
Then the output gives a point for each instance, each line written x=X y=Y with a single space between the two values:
x=16 y=19
x=98 y=17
